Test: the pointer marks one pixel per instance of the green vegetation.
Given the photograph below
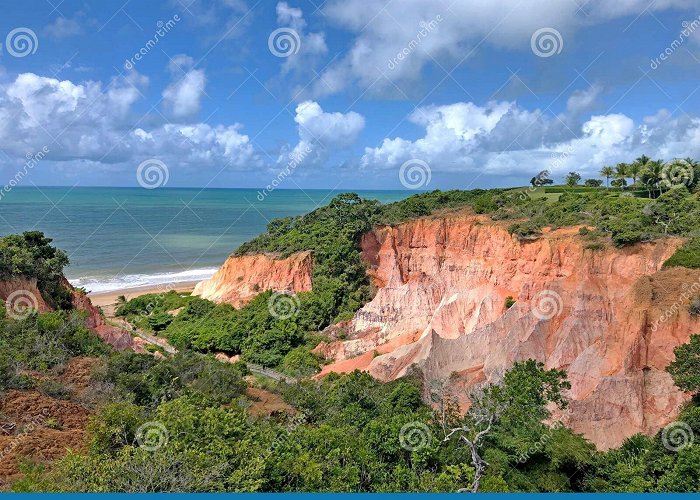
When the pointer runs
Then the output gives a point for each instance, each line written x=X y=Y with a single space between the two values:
x=43 y=342
x=687 y=255
x=30 y=255
x=572 y=179
x=685 y=369
x=183 y=424
x=340 y=283
x=143 y=380
x=188 y=422
x=510 y=301
x=348 y=433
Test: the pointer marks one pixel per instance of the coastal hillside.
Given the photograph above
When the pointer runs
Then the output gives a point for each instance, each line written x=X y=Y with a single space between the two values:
x=576 y=281
x=364 y=336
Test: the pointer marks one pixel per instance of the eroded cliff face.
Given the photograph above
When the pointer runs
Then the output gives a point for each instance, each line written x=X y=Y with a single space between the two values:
x=440 y=307
x=243 y=277
x=23 y=292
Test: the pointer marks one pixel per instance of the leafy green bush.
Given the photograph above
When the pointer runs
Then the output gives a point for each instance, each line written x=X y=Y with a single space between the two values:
x=300 y=362
x=523 y=230
x=146 y=381
x=45 y=341
x=688 y=255
x=30 y=255
x=685 y=368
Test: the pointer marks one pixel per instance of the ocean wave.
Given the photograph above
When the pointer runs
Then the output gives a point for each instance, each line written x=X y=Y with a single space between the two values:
x=98 y=284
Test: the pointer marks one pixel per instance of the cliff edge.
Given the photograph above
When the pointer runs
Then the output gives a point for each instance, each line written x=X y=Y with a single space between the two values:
x=443 y=285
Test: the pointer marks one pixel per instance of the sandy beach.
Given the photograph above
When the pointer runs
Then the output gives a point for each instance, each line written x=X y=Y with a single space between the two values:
x=107 y=300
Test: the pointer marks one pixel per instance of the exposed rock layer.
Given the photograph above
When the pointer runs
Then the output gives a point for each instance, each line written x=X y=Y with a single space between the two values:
x=24 y=292
x=440 y=306
x=243 y=277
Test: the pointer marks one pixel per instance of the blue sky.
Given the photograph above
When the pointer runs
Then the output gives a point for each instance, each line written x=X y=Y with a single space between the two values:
x=473 y=101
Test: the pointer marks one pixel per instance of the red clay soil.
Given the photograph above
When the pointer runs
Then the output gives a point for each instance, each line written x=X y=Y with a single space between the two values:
x=77 y=373
x=266 y=403
x=39 y=428
x=26 y=418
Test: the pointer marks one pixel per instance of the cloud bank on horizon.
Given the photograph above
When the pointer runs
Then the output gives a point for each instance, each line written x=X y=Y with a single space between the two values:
x=226 y=93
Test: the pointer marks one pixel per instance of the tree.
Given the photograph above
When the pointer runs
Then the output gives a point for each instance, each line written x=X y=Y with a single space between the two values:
x=685 y=370
x=696 y=171
x=638 y=166
x=619 y=183
x=572 y=179
x=607 y=172
x=541 y=179
x=593 y=183
x=651 y=176
x=515 y=404
x=633 y=170
x=621 y=173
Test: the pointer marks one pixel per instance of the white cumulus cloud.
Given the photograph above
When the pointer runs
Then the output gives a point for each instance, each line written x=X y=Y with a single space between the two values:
x=323 y=132
x=505 y=139
x=184 y=95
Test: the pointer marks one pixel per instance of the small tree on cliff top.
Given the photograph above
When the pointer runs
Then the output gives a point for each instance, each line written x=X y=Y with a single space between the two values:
x=516 y=404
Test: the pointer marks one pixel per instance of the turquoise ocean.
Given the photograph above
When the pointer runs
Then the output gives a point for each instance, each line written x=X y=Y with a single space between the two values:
x=129 y=237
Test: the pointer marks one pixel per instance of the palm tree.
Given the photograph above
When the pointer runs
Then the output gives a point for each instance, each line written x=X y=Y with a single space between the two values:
x=651 y=176
x=696 y=171
x=607 y=172
x=621 y=172
x=633 y=170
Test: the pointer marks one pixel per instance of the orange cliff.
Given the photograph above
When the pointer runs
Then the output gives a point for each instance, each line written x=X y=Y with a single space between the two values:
x=440 y=307
x=242 y=277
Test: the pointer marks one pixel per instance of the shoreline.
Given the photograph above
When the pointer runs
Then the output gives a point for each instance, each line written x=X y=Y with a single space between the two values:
x=107 y=300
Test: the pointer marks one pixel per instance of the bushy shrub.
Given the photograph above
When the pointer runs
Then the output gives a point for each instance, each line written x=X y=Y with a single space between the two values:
x=30 y=255
x=146 y=381
x=54 y=389
x=524 y=230
x=688 y=255
x=300 y=362
x=694 y=306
